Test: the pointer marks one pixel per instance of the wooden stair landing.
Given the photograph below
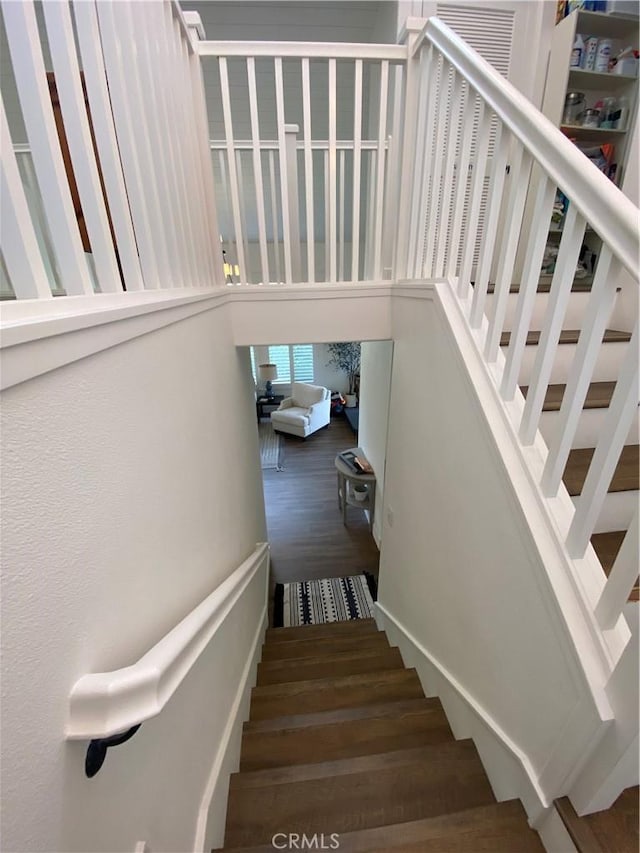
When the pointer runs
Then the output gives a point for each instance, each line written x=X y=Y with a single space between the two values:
x=341 y=739
x=570 y=336
x=612 y=831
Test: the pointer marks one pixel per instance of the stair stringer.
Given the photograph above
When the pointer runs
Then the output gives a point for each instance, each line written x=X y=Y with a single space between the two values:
x=571 y=587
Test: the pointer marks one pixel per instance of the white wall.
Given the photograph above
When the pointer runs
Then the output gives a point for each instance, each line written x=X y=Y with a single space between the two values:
x=460 y=570
x=131 y=490
x=375 y=389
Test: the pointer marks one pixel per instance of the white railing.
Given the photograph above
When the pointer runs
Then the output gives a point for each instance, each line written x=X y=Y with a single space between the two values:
x=322 y=207
x=444 y=187
x=106 y=703
x=126 y=201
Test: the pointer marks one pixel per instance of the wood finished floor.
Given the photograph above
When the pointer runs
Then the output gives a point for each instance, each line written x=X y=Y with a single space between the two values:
x=308 y=539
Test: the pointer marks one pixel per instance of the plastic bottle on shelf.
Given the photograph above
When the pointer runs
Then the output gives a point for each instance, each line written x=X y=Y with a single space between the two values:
x=603 y=56
x=577 y=52
x=589 y=53
x=622 y=113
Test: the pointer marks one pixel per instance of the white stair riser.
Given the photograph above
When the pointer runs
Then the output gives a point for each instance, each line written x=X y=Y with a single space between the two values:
x=606 y=370
x=573 y=317
x=618 y=511
x=589 y=428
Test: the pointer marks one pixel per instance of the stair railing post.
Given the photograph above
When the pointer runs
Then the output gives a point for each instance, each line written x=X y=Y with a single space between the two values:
x=409 y=35
x=291 y=143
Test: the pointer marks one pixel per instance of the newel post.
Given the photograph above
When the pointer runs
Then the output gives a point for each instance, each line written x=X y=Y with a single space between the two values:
x=408 y=36
x=291 y=145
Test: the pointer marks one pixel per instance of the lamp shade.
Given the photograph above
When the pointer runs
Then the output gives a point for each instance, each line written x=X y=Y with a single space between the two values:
x=268 y=372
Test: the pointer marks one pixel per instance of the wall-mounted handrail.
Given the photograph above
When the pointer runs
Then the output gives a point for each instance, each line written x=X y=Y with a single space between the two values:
x=103 y=704
x=609 y=212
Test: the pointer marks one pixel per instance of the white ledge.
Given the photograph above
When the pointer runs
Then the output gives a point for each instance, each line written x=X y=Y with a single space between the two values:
x=105 y=703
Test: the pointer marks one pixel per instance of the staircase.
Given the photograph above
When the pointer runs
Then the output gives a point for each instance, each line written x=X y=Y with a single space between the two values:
x=342 y=741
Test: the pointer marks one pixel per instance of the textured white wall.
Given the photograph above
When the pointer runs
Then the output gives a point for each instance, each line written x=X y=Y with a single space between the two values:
x=130 y=490
x=458 y=567
x=375 y=388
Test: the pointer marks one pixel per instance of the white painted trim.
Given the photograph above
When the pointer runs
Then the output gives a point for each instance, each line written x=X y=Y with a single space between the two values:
x=105 y=703
x=232 y=730
x=410 y=646
x=313 y=50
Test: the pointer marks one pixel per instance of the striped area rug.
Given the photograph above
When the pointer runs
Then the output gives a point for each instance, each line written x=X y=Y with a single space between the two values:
x=271 y=454
x=327 y=600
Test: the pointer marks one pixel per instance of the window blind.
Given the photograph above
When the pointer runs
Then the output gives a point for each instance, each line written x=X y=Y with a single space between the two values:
x=279 y=355
x=302 y=362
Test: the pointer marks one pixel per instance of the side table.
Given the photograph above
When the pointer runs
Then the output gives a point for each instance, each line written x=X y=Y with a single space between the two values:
x=267 y=402
x=347 y=479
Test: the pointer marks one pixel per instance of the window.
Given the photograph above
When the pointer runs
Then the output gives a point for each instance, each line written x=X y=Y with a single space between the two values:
x=294 y=363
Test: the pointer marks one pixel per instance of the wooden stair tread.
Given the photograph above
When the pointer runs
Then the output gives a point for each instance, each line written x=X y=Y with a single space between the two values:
x=291 y=649
x=545 y=287
x=570 y=336
x=356 y=793
x=606 y=546
x=324 y=694
x=493 y=828
x=598 y=396
x=625 y=477
x=614 y=829
x=339 y=715
x=326 y=629
x=332 y=740
x=347 y=663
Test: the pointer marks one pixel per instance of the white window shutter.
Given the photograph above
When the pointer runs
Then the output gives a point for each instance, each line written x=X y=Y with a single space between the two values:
x=302 y=362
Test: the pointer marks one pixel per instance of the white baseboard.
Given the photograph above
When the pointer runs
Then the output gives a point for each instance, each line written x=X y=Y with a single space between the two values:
x=509 y=769
x=213 y=806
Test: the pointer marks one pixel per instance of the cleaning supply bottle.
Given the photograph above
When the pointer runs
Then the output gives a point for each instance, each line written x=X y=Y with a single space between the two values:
x=577 y=52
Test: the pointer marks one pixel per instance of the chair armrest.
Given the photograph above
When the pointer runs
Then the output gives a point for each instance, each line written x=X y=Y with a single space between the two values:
x=286 y=403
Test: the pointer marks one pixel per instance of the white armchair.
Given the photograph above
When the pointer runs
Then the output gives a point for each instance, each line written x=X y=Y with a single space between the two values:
x=305 y=411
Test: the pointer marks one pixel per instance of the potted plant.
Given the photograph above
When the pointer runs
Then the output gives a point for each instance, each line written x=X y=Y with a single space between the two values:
x=346 y=357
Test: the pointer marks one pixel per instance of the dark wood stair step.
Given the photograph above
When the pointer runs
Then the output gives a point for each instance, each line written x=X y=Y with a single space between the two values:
x=598 y=396
x=494 y=828
x=325 y=694
x=295 y=649
x=356 y=793
x=374 y=729
x=346 y=663
x=625 y=478
x=614 y=829
x=578 y=286
x=328 y=629
x=570 y=336
x=606 y=546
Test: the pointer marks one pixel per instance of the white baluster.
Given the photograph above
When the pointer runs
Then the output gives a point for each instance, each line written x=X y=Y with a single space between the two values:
x=441 y=137
x=67 y=76
x=291 y=137
x=462 y=179
x=447 y=188
x=284 y=190
x=257 y=168
x=17 y=236
x=621 y=581
x=357 y=167
x=537 y=241
x=520 y=172
x=233 y=174
x=341 y=206
x=274 y=215
x=475 y=199
x=332 y=176
x=423 y=222
x=603 y=294
x=107 y=144
x=427 y=72
x=31 y=81
x=623 y=406
x=563 y=276
x=308 y=170
x=382 y=137
x=492 y=218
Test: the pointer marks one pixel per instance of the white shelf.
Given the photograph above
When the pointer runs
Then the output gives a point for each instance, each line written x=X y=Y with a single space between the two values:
x=611 y=26
x=597 y=134
x=579 y=78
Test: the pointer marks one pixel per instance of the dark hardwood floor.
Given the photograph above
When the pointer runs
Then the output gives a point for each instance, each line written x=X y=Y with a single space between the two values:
x=307 y=537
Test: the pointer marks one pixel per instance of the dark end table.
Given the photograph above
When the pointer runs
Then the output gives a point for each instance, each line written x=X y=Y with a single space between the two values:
x=269 y=403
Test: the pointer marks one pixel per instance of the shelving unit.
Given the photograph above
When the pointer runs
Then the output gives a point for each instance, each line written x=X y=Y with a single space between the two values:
x=596 y=85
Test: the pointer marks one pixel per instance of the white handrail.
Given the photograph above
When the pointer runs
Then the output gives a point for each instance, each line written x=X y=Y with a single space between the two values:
x=610 y=213
x=106 y=703
x=303 y=50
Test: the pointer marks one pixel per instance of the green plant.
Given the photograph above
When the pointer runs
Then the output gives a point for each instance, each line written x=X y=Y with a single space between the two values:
x=346 y=357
